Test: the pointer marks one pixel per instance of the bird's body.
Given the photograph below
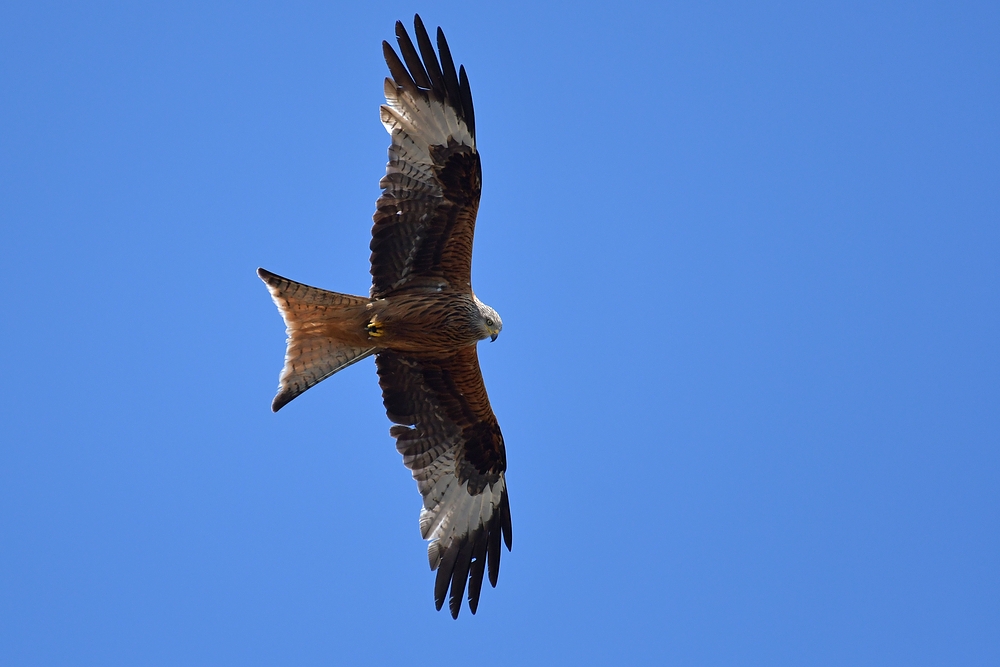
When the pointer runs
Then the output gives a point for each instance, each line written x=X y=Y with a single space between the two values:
x=436 y=323
x=422 y=320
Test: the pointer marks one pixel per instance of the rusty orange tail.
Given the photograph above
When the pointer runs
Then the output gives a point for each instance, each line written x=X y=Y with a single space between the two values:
x=325 y=333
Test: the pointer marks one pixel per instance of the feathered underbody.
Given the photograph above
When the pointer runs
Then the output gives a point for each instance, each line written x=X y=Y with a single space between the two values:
x=434 y=324
x=422 y=320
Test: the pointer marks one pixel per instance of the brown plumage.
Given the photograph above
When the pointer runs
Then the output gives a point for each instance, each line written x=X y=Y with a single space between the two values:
x=422 y=321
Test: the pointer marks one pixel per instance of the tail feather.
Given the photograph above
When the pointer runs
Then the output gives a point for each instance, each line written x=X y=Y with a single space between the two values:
x=323 y=333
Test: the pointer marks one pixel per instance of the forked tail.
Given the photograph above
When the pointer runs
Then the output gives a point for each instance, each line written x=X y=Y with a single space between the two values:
x=324 y=333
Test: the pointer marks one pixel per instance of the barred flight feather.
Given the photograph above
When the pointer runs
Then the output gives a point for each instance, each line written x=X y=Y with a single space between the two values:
x=460 y=502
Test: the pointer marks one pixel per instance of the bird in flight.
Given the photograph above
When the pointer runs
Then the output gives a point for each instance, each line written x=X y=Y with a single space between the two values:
x=422 y=320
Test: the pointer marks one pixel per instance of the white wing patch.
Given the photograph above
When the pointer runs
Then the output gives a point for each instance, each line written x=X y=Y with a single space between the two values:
x=415 y=125
x=450 y=512
x=427 y=122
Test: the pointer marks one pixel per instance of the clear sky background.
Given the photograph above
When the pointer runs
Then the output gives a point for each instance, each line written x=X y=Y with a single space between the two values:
x=748 y=261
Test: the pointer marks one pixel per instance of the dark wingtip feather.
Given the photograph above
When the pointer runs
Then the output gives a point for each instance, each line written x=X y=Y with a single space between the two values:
x=397 y=69
x=430 y=58
x=439 y=597
x=477 y=569
x=448 y=70
x=411 y=58
x=445 y=569
x=459 y=578
x=467 y=109
x=464 y=563
x=505 y=520
x=493 y=550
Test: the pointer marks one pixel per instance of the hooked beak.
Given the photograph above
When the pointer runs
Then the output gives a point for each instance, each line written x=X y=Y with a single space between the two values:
x=494 y=337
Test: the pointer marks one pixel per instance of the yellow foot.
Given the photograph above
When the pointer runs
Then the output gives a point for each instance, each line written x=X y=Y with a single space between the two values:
x=374 y=328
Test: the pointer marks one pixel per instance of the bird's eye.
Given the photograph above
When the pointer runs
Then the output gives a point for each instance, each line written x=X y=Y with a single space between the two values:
x=489 y=322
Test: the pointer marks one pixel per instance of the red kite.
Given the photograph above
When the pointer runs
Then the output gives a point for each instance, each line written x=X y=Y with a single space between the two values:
x=422 y=321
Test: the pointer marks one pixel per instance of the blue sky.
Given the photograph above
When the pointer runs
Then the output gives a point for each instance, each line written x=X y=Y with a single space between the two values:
x=747 y=260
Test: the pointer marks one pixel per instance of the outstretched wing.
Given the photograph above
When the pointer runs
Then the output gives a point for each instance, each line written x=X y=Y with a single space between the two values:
x=450 y=439
x=426 y=216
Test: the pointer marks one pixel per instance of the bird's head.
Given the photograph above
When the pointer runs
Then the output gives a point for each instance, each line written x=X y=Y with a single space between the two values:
x=491 y=324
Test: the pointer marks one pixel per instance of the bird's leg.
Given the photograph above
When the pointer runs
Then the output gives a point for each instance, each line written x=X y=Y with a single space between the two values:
x=374 y=327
